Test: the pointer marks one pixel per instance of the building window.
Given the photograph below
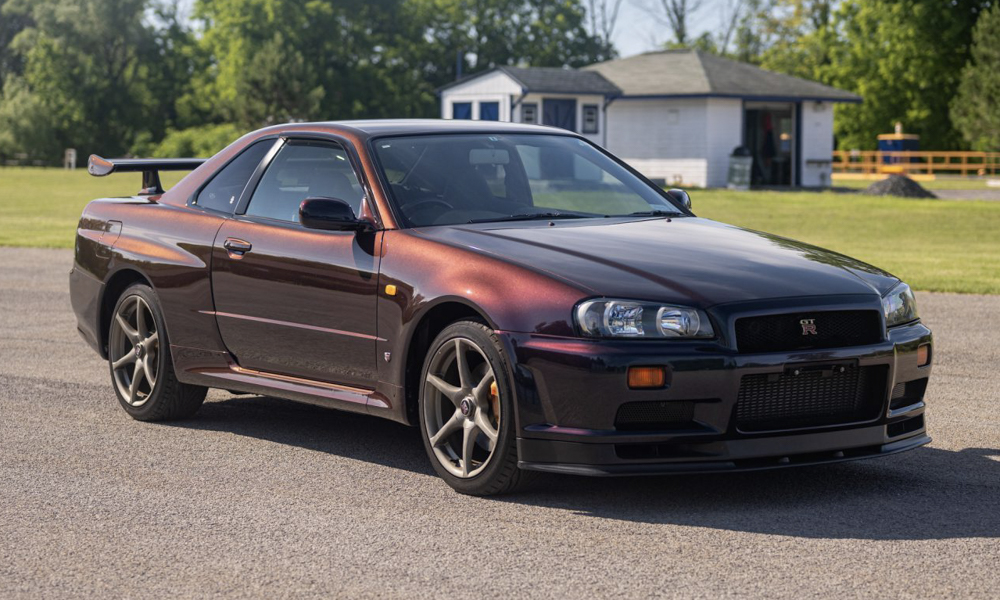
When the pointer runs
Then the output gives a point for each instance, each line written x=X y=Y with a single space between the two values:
x=589 y=118
x=489 y=111
x=461 y=110
x=529 y=113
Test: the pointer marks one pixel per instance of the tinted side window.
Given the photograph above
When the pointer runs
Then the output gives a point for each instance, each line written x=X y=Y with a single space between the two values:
x=223 y=191
x=305 y=170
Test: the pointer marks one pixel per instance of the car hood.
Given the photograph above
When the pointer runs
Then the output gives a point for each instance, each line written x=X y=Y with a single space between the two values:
x=688 y=260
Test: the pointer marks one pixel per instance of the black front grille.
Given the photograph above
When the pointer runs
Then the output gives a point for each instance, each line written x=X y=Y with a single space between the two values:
x=636 y=416
x=807 y=331
x=813 y=398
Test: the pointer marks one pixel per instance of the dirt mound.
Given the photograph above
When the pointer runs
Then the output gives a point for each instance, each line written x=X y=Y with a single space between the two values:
x=898 y=185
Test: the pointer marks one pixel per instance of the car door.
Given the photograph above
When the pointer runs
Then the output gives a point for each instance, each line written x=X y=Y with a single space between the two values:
x=296 y=301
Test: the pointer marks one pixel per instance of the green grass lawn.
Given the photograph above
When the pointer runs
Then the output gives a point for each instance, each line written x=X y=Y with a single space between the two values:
x=41 y=207
x=932 y=244
x=945 y=183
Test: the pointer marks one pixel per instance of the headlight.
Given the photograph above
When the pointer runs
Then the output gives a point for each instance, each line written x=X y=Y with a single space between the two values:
x=632 y=319
x=899 y=306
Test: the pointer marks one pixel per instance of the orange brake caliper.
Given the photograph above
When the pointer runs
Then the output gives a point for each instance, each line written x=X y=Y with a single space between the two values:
x=495 y=403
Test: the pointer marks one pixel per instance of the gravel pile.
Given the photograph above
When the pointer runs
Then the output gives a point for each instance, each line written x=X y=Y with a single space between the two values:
x=898 y=185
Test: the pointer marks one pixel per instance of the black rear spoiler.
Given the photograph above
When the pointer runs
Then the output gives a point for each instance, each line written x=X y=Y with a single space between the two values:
x=149 y=167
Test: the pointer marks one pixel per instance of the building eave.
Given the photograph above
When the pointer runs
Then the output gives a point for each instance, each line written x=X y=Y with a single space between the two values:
x=757 y=98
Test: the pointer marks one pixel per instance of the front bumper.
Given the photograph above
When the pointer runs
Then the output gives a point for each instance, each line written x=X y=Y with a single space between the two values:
x=569 y=391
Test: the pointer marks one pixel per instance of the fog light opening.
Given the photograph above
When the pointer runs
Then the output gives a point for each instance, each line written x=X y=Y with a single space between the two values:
x=646 y=377
x=924 y=355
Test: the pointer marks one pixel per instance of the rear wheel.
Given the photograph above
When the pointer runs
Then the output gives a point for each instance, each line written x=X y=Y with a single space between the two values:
x=467 y=412
x=139 y=358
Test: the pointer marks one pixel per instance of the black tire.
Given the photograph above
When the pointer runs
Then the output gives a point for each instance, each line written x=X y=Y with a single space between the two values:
x=500 y=475
x=166 y=398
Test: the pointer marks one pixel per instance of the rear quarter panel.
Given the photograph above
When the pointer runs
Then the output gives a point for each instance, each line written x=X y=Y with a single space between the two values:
x=170 y=246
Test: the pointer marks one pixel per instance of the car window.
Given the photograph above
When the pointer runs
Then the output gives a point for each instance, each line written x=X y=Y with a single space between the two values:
x=305 y=170
x=451 y=179
x=224 y=189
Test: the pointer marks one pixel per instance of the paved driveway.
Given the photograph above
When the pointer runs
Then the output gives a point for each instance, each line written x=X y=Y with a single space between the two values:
x=263 y=497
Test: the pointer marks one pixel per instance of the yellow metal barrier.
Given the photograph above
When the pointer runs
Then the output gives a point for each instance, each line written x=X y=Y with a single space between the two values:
x=915 y=162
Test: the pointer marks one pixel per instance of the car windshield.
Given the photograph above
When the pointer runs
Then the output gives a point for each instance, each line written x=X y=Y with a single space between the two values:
x=475 y=178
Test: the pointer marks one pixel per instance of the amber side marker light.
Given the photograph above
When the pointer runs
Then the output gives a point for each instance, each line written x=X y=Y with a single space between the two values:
x=923 y=355
x=646 y=377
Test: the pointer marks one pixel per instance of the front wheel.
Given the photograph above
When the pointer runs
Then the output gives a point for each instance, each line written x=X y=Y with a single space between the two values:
x=139 y=358
x=467 y=412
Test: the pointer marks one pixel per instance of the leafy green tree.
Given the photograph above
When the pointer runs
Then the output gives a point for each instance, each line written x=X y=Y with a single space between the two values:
x=166 y=65
x=541 y=33
x=275 y=60
x=278 y=86
x=11 y=24
x=202 y=141
x=751 y=35
x=25 y=124
x=82 y=76
x=975 y=109
x=904 y=57
x=805 y=39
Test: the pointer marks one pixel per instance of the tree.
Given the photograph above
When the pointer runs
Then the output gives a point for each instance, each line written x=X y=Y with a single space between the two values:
x=274 y=60
x=678 y=13
x=904 y=57
x=541 y=33
x=83 y=79
x=11 y=24
x=804 y=40
x=732 y=14
x=167 y=64
x=752 y=32
x=603 y=16
x=110 y=76
x=974 y=110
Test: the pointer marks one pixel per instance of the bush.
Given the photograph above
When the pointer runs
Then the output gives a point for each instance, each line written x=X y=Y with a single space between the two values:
x=196 y=142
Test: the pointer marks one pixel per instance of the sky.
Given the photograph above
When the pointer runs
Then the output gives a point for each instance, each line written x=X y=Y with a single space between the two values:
x=642 y=24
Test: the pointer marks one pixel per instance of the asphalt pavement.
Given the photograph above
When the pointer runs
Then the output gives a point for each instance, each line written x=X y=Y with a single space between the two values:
x=260 y=497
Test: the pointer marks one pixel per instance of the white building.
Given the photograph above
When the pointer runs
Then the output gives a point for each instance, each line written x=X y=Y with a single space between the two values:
x=675 y=115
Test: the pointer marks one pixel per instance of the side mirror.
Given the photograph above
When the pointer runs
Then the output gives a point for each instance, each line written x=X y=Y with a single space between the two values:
x=329 y=214
x=680 y=196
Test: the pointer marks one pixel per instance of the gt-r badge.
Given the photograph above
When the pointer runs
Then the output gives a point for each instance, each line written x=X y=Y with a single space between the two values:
x=808 y=326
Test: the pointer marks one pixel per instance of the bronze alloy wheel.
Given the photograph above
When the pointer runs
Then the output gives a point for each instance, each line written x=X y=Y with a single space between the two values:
x=467 y=411
x=133 y=350
x=461 y=416
x=141 y=366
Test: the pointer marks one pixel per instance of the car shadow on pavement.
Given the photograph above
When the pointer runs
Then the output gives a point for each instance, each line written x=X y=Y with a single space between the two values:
x=355 y=436
x=928 y=493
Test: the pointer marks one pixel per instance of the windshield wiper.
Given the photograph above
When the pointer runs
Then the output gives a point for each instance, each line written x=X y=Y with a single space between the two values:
x=652 y=213
x=531 y=217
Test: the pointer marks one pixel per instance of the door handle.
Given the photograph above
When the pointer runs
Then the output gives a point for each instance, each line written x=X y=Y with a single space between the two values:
x=237 y=246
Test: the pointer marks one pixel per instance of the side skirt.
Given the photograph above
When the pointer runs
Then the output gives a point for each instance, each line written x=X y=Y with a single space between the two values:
x=216 y=369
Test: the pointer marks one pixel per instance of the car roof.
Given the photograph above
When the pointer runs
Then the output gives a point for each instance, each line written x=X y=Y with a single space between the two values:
x=387 y=127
